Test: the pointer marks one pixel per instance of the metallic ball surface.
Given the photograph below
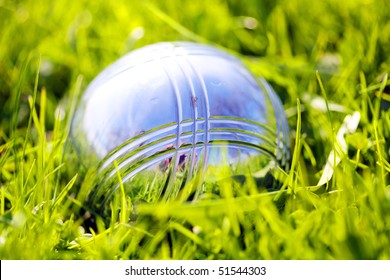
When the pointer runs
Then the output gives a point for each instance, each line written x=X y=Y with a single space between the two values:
x=172 y=110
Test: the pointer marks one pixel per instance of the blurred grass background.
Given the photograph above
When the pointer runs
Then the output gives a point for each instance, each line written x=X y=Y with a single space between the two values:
x=51 y=50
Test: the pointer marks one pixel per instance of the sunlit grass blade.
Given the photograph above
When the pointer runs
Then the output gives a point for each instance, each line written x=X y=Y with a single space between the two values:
x=64 y=192
x=289 y=181
x=173 y=23
x=379 y=96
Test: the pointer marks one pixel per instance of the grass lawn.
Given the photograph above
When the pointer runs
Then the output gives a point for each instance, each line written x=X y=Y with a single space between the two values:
x=327 y=60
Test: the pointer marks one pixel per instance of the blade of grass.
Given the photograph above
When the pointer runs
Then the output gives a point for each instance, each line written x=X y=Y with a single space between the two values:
x=32 y=106
x=64 y=192
x=173 y=23
x=14 y=120
x=63 y=138
x=379 y=97
x=185 y=231
x=124 y=216
x=381 y=162
x=296 y=154
x=323 y=91
x=18 y=94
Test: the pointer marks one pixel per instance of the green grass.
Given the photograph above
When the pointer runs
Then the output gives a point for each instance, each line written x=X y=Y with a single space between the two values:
x=334 y=50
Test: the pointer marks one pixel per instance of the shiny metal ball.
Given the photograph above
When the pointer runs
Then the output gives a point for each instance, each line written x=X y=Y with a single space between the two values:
x=170 y=111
